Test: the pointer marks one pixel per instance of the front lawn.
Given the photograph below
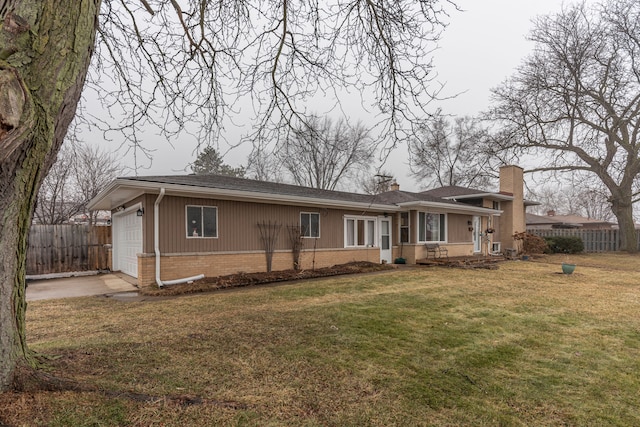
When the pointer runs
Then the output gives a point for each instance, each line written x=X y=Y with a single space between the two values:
x=522 y=345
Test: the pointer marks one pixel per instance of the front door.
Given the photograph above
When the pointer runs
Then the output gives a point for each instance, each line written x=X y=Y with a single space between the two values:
x=477 y=229
x=385 y=240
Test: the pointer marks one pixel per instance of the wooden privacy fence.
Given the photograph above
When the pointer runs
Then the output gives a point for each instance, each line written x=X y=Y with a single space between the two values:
x=65 y=248
x=594 y=240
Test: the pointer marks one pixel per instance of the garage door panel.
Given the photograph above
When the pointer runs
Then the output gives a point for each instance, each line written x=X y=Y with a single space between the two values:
x=127 y=242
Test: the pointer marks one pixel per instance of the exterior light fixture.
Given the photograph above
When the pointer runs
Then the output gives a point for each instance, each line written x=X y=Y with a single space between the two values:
x=140 y=212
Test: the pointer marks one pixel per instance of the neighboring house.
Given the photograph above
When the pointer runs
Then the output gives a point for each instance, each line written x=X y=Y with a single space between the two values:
x=171 y=228
x=553 y=221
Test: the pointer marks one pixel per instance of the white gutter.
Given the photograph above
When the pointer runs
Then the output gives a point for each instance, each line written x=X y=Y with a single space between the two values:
x=497 y=196
x=156 y=247
x=453 y=208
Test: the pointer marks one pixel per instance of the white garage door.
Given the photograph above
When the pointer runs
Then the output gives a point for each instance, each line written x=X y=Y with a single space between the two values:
x=127 y=242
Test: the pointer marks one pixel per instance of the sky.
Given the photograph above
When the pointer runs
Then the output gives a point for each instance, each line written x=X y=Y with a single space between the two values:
x=481 y=47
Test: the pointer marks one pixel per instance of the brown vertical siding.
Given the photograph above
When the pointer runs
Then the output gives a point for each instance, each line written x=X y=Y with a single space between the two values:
x=458 y=228
x=147 y=225
x=496 y=227
x=238 y=225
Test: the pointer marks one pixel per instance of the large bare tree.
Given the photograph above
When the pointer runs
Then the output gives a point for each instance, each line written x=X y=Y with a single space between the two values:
x=80 y=172
x=324 y=154
x=93 y=169
x=263 y=165
x=448 y=151
x=574 y=103
x=183 y=66
x=57 y=199
x=45 y=51
x=577 y=196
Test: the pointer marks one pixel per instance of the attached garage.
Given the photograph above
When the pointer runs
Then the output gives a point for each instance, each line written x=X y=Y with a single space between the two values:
x=127 y=241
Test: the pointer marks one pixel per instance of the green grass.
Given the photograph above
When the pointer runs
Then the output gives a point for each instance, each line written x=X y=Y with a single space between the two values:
x=519 y=346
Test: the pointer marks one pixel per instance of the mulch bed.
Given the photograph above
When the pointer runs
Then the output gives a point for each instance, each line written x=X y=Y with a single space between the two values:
x=250 y=279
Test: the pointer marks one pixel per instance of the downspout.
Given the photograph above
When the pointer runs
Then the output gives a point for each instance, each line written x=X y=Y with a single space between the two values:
x=156 y=246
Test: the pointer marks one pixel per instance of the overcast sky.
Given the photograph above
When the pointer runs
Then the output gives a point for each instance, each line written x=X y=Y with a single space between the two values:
x=480 y=48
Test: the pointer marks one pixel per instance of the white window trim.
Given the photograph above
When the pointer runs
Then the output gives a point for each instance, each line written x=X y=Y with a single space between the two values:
x=190 y=236
x=319 y=227
x=366 y=230
x=442 y=227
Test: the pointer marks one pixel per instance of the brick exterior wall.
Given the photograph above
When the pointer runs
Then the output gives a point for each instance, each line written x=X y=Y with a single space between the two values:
x=411 y=252
x=220 y=264
x=513 y=219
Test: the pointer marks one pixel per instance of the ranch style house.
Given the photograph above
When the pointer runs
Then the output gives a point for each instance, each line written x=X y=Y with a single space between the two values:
x=168 y=229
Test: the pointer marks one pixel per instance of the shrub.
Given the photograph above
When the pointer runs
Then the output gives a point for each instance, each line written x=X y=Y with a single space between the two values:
x=530 y=243
x=564 y=244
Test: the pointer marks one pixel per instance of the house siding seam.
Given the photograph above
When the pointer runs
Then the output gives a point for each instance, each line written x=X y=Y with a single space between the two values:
x=237 y=226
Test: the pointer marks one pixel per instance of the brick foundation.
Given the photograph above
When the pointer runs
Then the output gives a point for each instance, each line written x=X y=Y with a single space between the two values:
x=413 y=252
x=176 y=266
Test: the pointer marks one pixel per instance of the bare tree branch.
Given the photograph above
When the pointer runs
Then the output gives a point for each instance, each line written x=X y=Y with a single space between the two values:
x=574 y=104
x=443 y=153
x=192 y=65
x=324 y=154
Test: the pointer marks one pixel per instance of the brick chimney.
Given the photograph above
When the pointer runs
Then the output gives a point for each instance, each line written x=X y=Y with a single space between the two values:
x=513 y=218
x=395 y=186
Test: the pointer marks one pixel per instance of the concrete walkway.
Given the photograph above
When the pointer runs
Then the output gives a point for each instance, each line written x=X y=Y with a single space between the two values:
x=69 y=287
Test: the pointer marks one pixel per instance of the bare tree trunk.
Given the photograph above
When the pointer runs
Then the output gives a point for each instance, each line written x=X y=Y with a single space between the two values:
x=45 y=50
x=623 y=210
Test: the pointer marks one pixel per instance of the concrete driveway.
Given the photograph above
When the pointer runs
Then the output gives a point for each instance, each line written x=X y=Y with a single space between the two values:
x=101 y=284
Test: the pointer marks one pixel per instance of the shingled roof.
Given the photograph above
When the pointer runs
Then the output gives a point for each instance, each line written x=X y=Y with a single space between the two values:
x=265 y=187
x=221 y=185
x=223 y=182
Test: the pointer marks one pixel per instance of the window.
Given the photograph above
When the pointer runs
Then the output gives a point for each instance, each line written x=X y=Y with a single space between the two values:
x=310 y=224
x=404 y=227
x=495 y=248
x=496 y=205
x=202 y=221
x=359 y=231
x=431 y=227
x=371 y=233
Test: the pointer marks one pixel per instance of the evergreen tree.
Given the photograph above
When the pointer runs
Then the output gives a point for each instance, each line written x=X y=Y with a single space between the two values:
x=209 y=161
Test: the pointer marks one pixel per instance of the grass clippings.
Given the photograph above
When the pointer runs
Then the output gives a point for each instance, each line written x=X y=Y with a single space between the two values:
x=518 y=346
